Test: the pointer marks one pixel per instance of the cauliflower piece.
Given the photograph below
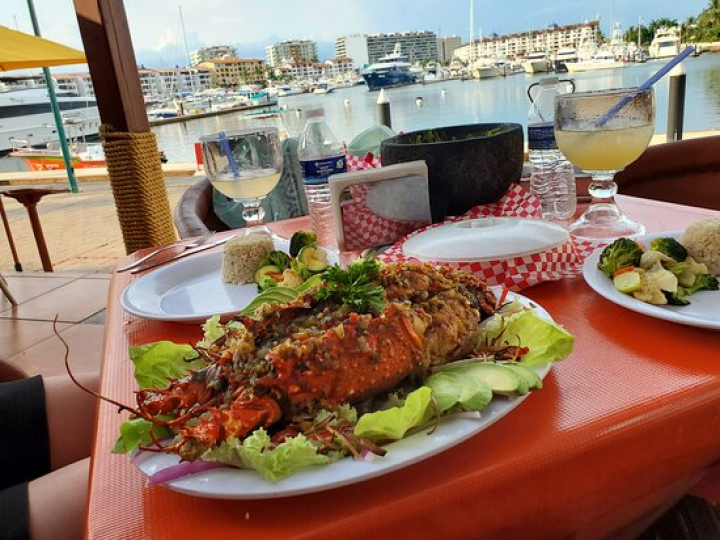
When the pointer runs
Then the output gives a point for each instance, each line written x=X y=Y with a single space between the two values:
x=654 y=282
x=650 y=258
x=291 y=279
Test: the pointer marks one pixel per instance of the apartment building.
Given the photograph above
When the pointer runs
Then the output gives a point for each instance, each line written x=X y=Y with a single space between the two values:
x=548 y=40
x=235 y=72
x=295 y=51
x=211 y=53
x=446 y=47
x=418 y=46
x=353 y=46
x=79 y=84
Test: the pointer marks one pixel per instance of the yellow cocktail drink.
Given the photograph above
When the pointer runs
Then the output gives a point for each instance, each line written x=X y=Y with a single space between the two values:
x=604 y=150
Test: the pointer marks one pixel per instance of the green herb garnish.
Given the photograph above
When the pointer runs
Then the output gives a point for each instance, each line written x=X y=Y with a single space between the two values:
x=354 y=287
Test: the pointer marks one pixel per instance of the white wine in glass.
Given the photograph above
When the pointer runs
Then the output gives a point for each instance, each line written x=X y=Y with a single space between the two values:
x=602 y=147
x=245 y=166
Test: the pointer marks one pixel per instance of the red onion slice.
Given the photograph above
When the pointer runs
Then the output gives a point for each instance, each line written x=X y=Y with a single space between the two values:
x=182 y=469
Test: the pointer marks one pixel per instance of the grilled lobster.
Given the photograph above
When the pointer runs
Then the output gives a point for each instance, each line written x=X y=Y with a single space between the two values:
x=295 y=359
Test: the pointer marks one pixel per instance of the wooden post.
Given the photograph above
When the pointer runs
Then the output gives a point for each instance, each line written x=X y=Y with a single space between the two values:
x=131 y=154
x=110 y=55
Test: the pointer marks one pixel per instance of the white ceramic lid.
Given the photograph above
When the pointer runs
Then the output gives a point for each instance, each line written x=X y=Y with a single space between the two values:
x=485 y=239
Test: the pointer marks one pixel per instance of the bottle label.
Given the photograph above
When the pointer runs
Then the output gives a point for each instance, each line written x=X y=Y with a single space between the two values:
x=541 y=136
x=317 y=171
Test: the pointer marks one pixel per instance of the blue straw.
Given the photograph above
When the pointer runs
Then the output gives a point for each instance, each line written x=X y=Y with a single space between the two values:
x=226 y=146
x=627 y=98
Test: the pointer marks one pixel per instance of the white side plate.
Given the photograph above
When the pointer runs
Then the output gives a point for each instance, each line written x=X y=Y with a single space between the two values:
x=191 y=290
x=484 y=239
x=248 y=484
x=703 y=311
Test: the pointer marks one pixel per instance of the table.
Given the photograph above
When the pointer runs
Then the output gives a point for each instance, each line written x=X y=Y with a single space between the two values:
x=622 y=429
x=29 y=198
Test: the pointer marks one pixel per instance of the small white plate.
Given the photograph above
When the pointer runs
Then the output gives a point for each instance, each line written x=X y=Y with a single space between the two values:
x=248 y=484
x=703 y=311
x=484 y=239
x=191 y=290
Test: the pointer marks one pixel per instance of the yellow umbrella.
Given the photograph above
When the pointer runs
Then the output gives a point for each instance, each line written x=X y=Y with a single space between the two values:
x=21 y=51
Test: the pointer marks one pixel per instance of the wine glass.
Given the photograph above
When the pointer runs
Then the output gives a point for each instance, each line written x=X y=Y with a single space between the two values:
x=245 y=165
x=603 y=144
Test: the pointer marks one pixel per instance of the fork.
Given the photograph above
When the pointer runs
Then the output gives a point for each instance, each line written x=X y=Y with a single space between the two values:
x=195 y=243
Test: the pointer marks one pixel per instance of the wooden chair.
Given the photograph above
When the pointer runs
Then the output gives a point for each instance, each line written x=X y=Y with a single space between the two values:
x=683 y=172
x=6 y=290
x=194 y=214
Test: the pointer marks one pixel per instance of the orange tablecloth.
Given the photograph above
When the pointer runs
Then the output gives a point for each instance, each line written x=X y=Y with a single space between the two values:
x=622 y=428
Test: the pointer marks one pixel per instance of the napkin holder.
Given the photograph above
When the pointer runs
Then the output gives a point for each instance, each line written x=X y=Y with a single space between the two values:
x=377 y=207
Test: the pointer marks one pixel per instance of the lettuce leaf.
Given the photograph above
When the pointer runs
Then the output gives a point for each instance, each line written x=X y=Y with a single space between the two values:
x=392 y=424
x=156 y=362
x=547 y=341
x=136 y=432
x=213 y=330
x=276 y=464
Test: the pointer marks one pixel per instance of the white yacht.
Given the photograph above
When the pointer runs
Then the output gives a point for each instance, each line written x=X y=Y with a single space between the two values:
x=26 y=115
x=323 y=88
x=603 y=59
x=389 y=71
x=666 y=43
x=536 y=62
x=487 y=68
x=564 y=57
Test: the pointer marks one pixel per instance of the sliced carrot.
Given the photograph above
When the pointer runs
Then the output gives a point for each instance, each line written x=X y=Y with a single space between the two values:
x=623 y=270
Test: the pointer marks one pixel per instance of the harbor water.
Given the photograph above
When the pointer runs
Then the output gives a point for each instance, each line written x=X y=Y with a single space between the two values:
x=349 y=111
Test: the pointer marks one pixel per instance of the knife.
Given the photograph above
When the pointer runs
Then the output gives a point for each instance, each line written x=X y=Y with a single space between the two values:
x=183 y=254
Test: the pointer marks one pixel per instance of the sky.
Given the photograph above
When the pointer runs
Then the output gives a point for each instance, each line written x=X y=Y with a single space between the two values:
x=251 y=25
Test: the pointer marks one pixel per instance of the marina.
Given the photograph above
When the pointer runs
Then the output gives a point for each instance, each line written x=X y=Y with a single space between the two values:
x=454 y=102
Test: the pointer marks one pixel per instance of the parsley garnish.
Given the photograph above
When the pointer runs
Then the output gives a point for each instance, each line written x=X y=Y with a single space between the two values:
x=354 y=287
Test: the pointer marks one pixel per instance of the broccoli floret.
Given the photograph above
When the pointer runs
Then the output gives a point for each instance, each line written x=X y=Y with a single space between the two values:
x=276 y=258
x=266 y=283
x=301 y=239
x=703 y=282
x=621 y=253
x=670 y=247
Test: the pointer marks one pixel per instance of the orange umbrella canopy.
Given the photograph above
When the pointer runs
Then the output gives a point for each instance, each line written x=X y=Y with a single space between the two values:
x=21 y=51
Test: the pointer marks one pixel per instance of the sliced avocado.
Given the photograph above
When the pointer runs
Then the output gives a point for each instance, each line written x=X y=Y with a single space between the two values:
x=301 y=239
x=501 y=379
x=314 y=258
x=627 y=282
x=266 y=270
x=533 y=379
x=451 y=389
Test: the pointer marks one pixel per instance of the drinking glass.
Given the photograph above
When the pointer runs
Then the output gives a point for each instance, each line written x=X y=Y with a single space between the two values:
x=244 y=165
x=603 y=149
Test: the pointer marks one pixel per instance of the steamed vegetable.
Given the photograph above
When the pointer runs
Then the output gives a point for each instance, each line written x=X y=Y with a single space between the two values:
x=702 y=282
x=301 y=239
x=670 y=247
x=621 y=253
x=276 y=258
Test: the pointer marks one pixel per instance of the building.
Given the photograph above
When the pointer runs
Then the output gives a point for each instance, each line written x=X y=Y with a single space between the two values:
x=79 y=84
x=446 y=48
x=418 y=46
x=353 y=46
x=548 y=40
x=211 y=53
x=338 y=68
x=296 y=51
x=235 y=72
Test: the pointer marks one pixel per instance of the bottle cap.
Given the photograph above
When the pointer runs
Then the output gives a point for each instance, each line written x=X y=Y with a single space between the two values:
x=549 y=81
x=317 y=112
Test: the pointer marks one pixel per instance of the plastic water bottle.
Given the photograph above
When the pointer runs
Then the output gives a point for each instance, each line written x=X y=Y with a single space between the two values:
x=552 y=179
x=321 y=155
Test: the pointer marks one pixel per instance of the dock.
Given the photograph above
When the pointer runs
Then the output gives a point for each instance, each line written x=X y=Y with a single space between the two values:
x=189 y=117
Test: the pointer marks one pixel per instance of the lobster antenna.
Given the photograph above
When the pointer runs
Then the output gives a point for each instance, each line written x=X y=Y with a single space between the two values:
x=78 y=383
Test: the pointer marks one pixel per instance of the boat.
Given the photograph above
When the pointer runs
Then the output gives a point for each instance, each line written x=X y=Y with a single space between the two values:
x=563 y=58
x=50 y=158
x=536 y=62
x=666 y=43
x=26 y=115
x=389 y=71
x=603 y=59
x=323 y=88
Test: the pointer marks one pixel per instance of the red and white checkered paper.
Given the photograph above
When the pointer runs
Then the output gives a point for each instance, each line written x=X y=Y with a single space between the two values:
x=364 y=228
x=516 y=273
x=355 y=163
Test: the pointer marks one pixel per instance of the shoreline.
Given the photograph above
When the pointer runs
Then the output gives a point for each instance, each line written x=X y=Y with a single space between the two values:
x=188 y=169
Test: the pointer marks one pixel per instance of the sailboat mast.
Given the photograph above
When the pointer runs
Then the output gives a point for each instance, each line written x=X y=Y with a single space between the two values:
x=187 y=52
x=472 y=30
